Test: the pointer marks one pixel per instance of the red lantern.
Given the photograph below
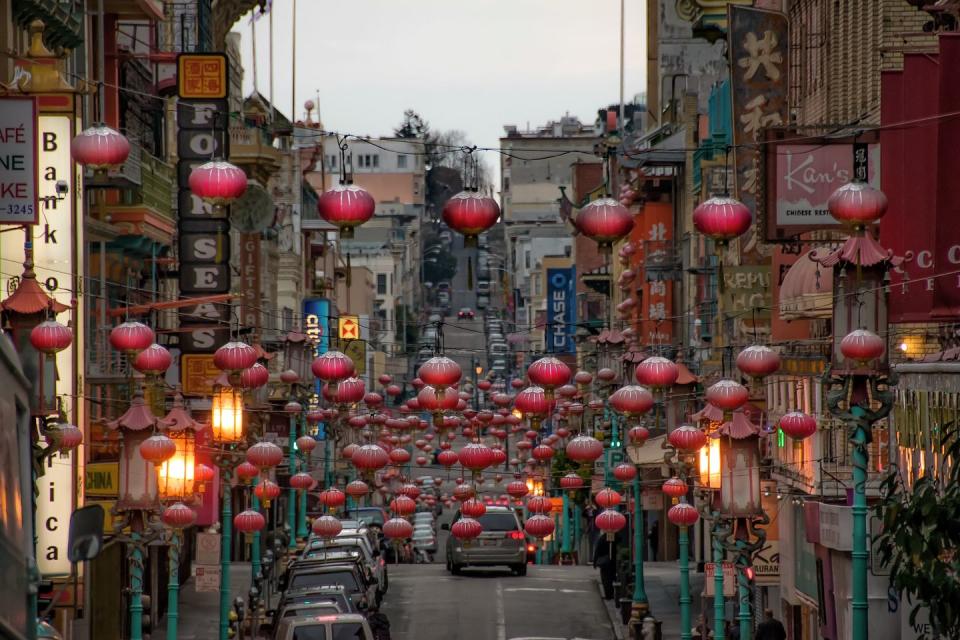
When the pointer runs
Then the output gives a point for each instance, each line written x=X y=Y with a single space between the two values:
x=532 y=402
x=68 y=437
x=675 y=488
x=605 y=221
x=638 y=436
x=397 y=528
x=683 y=515
x=606 y=375
x=608 y=498
x=153 y=360
x=100 y=148
x=571 y=482
x=357 y=489
x=412 y=491
x=518 y=489
x=249 y=521
x=539 y=526
x=728 y=395
x=857 y=204
x=430 y=400
x=384 y=379
x=289 y=377
x=131 y=337
x=178 y=516
x=332 y=367
x=447 y=458
x=462 y=491
x=758 y=361
x=347 y=451
x=471 y=214
x=264 y=455
x=687 y=438
x=499 y=457
x=346 y=206
x=267 y=490
x=292 y=408
x=584 y=449
x=473 y=508
x=234 y=357
x=722 y=219
x=657 y=372
x=862 y=346
x=347 y=392
x=246 y=471
x=402 y=506
x=50 y=337
x=610 y=521
x=475 y=456
x=484 y=385
x=254 y=377
x=202 y=474
x=466 y=529
x=333 y=498
x=440 y=372
x=422 y=461
x=217 y=182
x=306 y=444
x=326 y=527
x=158 y=449
x=399 y=455
x=582 y=378
x=624 y=472
x=798 y=425
x=302 y=481
x=542 y=453
x=548 y=372
x=539 y=504
x=631 y=400
x=370 y=457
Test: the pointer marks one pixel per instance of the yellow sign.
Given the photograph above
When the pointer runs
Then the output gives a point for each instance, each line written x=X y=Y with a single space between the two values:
x=202 y=76
x=197 y=373
x=349 y=328
x=102 y=479
x=357 y=350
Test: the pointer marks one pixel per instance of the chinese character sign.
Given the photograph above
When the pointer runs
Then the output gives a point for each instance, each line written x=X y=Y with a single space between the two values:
x=561 y=310
x=655 y=226
x=758 y=60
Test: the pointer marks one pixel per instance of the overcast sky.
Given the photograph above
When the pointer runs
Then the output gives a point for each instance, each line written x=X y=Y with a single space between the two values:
x=473 y=65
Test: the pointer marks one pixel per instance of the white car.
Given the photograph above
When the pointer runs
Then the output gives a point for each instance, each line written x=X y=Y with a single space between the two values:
x=329 y=627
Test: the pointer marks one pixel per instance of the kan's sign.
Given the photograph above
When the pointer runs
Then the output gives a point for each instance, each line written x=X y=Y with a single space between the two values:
x=19 y=161
x=561 y=310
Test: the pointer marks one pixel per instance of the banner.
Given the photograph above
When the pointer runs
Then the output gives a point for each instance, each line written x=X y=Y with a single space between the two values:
x=561 y=310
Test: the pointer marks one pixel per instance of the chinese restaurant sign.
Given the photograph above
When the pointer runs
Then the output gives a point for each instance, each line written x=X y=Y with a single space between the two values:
x=18 y=161
x=759 y=53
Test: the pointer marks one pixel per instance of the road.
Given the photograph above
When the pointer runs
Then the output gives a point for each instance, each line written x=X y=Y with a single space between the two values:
x=426 y=603
x=464 y=340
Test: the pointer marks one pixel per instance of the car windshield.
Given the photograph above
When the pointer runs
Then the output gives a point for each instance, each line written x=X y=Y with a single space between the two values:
x=312 y=632
x=306 y=580
x=368 y=516
x=340 y=601
x=348 y=631
x=498 y=521
x=294 y=612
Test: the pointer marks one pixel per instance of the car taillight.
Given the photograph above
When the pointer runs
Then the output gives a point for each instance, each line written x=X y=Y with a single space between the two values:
x=531 y=548
x=516 y=535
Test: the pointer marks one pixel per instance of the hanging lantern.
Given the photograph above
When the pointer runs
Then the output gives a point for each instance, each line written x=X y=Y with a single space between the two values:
x=226 y=414
x=798 y=425
x=447 y=458
x=624 y=472
x=333 y=498
x=131 y=337
x=675 y=488
x=758 y=361
x=582 y=378
x=473 y=508
x=293 y=408
x=440 y=372
x=638 y=436
x=683 y=515
x=289 y=376
x=549 y=373
x=178 y=516
x=608 y=498
x=264 y=455
x=254 y=377
x=462 y=491
x=65 y=437
x=687 y=438
x=539 y=526
x=267 y=490
x=349 y=391
x=533 y=404
x=332 y=367
x=470 y=214
x=218 y=183
x=399 y=456
x=517 y=489
x=176 y=476
x=249 y=521
x=234 y=357
x=466 y=529
x=326 y=527
x=346 y=206
x=542 y=453
x=246 y=471
x=605 y=221
x=610 y=521
x=403 y=506
x=539 y=504
x=397 y=528
x=475 y=456
x=657 y=372
x=357 y=489
x=302 y=481
x=727 y=395
x=857 y=204
x=370 y=457
x=50 y=337
x=571 y=482
x=157 y=449
x=722 y=219
x=154 y=360
x=862 y=346
x=100 y=148
x=606 y=375
x=306 y=444
x=631 y=400
x=584 y=449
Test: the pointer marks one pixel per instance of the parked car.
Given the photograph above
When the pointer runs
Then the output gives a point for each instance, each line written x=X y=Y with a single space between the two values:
x=465 y=313
x=361 y=587
x=319 y=548
x=483 y=301
x=498 y=349
x=483 y=286
x=502 y=542
x=370 y=516
x=343 y=626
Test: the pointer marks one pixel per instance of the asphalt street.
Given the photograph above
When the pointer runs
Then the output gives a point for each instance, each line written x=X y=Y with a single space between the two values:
x=549 y=603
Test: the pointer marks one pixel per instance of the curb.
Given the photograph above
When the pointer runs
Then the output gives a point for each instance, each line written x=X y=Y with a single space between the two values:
x=612 y=614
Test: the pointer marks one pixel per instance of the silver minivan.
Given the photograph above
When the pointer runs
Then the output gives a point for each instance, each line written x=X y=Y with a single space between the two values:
x=503 y=542
x=342 y=626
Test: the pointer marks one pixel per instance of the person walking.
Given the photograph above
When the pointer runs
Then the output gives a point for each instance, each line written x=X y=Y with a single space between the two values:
x=653 y=536
x=702 y=631
x=770 y=628
x=604 y=558
x=731 y=630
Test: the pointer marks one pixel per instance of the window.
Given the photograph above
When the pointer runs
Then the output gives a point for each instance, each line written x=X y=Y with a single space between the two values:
x=348 y=631
x=493 y=521
x=401 y=161
x=332 y=161
x=381 y=284
x=287 y=319
x=307 y=580
x=376 y=161
x=313 y=632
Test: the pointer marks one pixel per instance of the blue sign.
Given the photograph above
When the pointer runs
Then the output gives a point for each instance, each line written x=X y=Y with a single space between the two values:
x=316 y=324
x=561 y=310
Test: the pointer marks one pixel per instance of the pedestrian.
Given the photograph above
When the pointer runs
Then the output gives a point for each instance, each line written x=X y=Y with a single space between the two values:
x=654 y=537
x=731 y=630
x=604 y=558
x=379 y=623
x=770 y=628
x=702 y=631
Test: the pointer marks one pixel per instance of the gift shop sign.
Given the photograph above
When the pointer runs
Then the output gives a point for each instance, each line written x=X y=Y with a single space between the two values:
x=18 y=161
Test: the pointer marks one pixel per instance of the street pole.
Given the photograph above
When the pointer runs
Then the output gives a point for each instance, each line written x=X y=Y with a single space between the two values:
x=226 y=535
x=641 y=605
x=859 y=553
x=719 y=615
x=685 y=600
x=136 y=588
x=292 y=493
x=173 y=584
x=255 y=540
x=565 y=547
x=302 y=519
x=743 y=591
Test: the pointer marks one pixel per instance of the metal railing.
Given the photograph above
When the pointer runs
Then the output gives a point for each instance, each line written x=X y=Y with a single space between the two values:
x=103 y=361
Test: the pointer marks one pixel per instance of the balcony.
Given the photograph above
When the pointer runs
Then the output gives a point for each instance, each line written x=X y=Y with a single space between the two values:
x=62 y=20
x=104 y=363
x=252 y=149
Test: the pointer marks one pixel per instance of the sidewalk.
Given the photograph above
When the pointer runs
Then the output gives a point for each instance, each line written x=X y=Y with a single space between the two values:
x=200 y=612
x=662 y=582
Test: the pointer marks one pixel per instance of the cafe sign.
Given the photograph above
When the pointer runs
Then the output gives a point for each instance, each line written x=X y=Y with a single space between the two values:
x=18 y=161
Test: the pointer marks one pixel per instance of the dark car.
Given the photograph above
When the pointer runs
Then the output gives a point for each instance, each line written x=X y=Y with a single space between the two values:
x=503 y=542
x=359 y=586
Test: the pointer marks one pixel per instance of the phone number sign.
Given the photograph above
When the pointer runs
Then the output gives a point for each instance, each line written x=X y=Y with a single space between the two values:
x=18 y=161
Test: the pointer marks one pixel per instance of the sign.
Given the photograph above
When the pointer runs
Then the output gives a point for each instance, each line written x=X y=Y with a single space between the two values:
x=208 y=549
x=766 y=560
x=759 y=61
x=747 y=292
x=316 y=323
x=800 y=178
x=836 y=523
x=108 y=519
x=197 y=374
x=356 y=350
x=54 y=506
x=729 y=579
x=202 y=76
x=349 y=327
x=651 y=499
x=102 y=479
x=206 y=578
x=653 y=234
x=250 y=281
x=18 y=161
x=561 y=310
x=204 y=234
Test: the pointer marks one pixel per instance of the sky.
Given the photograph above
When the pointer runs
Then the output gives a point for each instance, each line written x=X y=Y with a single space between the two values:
x=473 y=65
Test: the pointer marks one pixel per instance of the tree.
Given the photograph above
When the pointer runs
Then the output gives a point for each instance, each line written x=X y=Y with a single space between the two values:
x=441 y=267
x=920 y=542
x=412 y=126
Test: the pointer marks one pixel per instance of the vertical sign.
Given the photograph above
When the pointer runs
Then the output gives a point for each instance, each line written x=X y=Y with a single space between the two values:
x=316 y=323
x=561 y=310
x=18 y=161
x=656 y=229
x=54 y=506
x=759 y=55
x=202 y=120
x=250 y=280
